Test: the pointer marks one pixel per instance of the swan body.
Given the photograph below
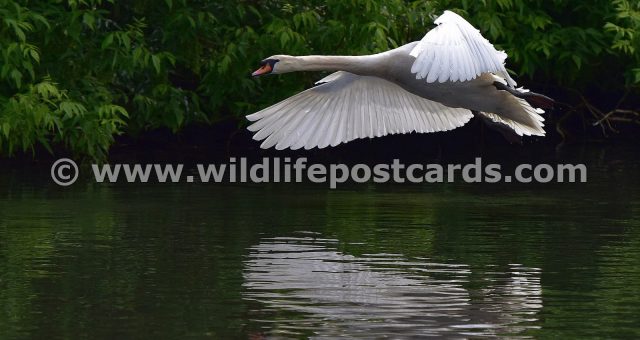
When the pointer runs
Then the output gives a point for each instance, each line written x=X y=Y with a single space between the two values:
x=435 y=84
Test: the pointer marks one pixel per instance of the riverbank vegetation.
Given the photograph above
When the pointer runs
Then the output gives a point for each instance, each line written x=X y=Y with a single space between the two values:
x=76 y=73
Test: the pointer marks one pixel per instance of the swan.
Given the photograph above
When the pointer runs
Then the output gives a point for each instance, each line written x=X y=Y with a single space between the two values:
x=436 y=84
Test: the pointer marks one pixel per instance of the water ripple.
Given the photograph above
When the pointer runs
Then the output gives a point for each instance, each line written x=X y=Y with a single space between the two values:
x=374 y=295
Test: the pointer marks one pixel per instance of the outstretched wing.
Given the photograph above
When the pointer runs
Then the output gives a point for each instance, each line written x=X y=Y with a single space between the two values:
x=344 y=107
x=456 y=51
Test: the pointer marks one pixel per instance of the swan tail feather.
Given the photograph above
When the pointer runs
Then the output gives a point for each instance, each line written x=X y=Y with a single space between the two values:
x=538 y=100
x=504 y=129
x=533 y=98
x=522 y=118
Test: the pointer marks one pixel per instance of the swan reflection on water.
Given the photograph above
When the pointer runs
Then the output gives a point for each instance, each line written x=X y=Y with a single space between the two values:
x=305 y=286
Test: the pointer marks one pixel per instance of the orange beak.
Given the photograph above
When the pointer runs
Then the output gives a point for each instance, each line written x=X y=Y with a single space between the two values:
x=266 y=68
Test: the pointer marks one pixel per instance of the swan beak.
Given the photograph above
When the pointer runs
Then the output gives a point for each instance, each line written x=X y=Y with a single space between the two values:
x=265 y=69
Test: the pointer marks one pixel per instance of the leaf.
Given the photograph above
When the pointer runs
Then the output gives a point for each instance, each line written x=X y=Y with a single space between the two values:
x=45 y=143
x=71 y=108
x=108 y=40
x=6 y=128
x=126 y=41
x=156 y=62
x=284 y=38
x=41 y=19
x=17 y=77
x=89 y=20
x=577 y=60
x=636 y=73
x=34 y=54
x=20 y=33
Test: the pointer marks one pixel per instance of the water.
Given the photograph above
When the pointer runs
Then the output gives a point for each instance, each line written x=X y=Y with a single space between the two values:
x=296 y=261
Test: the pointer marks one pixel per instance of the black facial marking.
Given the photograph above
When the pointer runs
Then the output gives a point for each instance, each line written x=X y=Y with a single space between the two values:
x=270 y=62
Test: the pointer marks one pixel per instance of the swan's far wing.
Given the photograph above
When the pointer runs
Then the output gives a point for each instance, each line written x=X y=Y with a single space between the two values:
x=456 y=51
x=344 y=107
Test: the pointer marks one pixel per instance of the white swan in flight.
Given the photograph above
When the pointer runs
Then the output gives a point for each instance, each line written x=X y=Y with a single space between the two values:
x=435 y=84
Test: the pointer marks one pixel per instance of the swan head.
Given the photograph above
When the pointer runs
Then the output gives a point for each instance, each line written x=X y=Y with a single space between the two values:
x=276 y=64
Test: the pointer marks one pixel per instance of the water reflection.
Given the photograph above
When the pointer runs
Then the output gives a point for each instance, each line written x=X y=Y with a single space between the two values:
x=377 y=295
x=454 y=260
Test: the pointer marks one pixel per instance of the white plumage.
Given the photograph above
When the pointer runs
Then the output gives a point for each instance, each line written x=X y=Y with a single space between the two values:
x=426 y=86
x=456 y=51
x=344 y=107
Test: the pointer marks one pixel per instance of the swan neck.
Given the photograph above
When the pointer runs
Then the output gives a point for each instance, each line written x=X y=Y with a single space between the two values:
x=361 y=65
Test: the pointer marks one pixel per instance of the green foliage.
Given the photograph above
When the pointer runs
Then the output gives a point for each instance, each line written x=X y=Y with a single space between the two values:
x=565 y=42
x=626 y=27
x=77 y=72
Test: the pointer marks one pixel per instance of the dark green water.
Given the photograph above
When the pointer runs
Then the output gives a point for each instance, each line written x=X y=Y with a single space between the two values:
x=296 y=261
